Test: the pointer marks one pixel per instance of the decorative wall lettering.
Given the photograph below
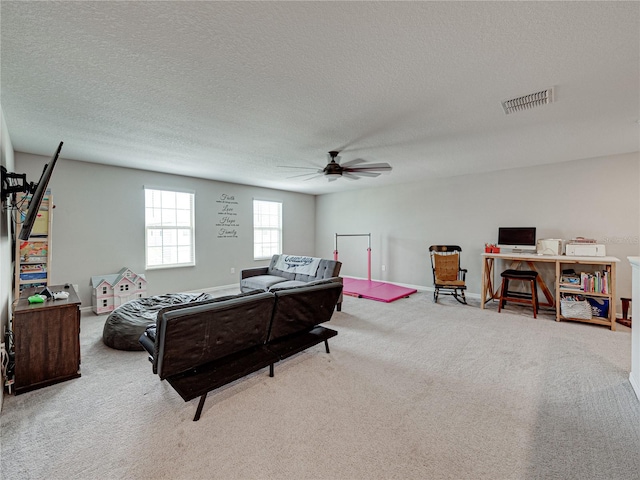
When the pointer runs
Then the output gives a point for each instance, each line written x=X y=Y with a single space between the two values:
x=227 y=216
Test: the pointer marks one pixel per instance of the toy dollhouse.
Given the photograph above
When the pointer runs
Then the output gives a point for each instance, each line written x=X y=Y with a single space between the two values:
x=111 y=291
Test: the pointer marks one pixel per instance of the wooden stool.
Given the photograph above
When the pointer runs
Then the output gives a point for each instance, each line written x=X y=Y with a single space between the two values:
x=519 y=297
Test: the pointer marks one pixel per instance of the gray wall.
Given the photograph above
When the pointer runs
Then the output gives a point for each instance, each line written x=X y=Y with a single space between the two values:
x=592 y=198
x=98 y=225
x=98 y=220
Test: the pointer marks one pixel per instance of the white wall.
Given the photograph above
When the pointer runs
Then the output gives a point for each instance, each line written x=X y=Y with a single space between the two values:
x=592 y=198
x=98 y=225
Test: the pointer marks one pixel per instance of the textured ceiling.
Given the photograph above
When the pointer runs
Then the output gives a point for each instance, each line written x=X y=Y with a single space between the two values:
x=236 y=91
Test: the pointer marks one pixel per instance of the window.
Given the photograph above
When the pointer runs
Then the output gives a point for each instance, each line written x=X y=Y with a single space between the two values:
x=169 y=228
x=267 y=229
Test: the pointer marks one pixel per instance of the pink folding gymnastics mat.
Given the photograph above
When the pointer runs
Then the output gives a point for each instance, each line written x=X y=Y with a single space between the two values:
x=381 y=291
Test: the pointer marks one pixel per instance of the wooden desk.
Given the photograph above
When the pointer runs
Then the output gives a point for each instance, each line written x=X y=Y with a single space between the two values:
x=46 y=339
x=491 y=292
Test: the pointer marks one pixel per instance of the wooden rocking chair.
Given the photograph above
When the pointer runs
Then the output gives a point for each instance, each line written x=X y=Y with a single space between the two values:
x=448 y=277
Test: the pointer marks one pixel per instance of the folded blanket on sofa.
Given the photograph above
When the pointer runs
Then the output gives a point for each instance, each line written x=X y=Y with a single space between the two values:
x=298 y=264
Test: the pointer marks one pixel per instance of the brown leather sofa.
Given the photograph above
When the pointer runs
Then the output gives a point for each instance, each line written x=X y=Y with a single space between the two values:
x=199 y=347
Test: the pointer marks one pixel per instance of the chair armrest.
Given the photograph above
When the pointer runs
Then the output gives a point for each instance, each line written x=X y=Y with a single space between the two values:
x=463 y=273
x=252 y=272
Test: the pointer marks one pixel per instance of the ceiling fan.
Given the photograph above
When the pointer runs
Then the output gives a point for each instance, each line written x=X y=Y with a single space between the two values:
x=353 y=169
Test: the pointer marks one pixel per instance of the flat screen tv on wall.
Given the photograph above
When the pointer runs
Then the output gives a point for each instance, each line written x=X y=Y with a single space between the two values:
x=37 y=196
x=517 y=238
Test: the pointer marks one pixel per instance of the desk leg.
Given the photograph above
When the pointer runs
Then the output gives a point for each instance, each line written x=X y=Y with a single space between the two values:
x=487 y=281
x=558 y=277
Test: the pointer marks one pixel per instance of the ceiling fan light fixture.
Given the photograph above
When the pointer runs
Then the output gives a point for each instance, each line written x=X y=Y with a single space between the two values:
x=334 y=156
x=333 y=169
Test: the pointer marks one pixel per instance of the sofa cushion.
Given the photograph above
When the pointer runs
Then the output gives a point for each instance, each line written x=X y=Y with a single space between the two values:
x=326 y=269
x=287 y=284
x=260 y=282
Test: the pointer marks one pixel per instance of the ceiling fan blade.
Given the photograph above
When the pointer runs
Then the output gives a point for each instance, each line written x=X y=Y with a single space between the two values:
x=304 y=175
x=355 y=161
x=291 y=166
x=363 y=173
x=374 y=166
x=312 y=178
x=350 y=176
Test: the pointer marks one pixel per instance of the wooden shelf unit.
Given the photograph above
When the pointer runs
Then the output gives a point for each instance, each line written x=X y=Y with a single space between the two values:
x=33 y=256
x=607 y=264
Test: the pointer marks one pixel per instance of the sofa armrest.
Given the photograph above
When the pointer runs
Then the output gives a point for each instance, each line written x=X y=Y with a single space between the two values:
x=252 y=272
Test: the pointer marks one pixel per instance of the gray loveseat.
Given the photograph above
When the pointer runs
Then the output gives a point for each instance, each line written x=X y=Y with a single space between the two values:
x=271 y=277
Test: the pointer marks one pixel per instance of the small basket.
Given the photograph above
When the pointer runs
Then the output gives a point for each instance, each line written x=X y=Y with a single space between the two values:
x=576 y=309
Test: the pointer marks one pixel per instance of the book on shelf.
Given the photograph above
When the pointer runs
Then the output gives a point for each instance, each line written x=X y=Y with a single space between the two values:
x=33 y=259
x=31 y=249
x=573 y=288
x=33 y=267
x=33 y=276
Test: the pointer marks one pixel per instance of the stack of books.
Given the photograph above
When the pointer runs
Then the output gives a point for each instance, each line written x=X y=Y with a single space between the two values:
x=571 y=282
x=597 y=282
x=33 y=271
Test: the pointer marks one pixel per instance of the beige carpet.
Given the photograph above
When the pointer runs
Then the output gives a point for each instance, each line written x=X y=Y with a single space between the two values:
x=411 y=390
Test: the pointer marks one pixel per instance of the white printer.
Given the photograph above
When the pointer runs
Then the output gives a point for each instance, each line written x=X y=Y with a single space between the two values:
x=585 y=250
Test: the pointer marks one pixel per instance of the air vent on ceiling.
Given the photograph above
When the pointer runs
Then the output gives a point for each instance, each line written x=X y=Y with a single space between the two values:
x=526 y=102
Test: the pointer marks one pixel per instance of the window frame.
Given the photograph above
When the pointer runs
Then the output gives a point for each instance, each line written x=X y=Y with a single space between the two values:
x=191 y=228
x=256 y=228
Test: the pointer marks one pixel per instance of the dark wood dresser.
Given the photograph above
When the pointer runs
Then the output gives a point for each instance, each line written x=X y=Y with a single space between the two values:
x=46 y=339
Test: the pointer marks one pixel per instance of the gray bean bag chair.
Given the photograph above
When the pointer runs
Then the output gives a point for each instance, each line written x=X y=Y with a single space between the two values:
x=126 y=323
